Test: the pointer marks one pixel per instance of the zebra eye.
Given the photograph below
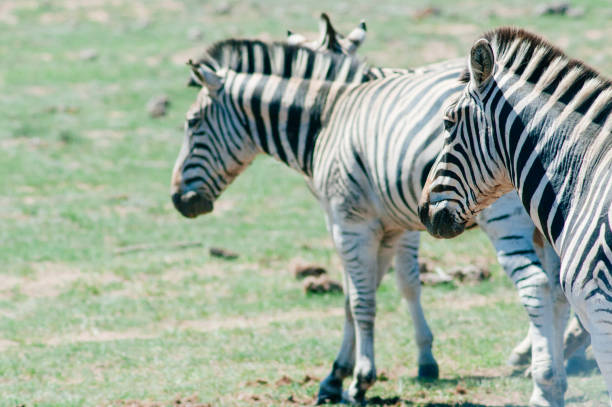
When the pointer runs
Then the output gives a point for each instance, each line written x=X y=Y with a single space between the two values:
x=448 y=124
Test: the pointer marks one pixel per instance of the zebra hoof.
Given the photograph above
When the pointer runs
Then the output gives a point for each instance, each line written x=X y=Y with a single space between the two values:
x=358 y=399
x=330 y=391
x=429 y=371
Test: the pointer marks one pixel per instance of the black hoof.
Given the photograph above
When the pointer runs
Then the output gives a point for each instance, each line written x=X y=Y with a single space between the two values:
x=330 y=392
x=430 y=371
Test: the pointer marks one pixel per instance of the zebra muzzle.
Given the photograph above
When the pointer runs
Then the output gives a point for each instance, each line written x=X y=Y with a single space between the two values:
x=439 y=220
x=191 y=204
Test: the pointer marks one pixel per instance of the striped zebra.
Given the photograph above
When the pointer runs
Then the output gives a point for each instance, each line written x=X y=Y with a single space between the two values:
x=371 y=207
x=530 y=118
x=506 y=222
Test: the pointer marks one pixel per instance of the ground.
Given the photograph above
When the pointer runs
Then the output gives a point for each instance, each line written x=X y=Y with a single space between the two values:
x=109 y=297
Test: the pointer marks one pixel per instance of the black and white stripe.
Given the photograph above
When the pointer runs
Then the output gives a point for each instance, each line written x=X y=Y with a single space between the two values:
x=510 y=229
x=366 y=151
x=530 y=118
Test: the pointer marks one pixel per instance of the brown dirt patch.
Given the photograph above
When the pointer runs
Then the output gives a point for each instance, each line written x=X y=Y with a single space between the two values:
x=98 y=16
x=100 y=336
x=257 y=321
x=50 y=279
x=189 y=401
x=5 y=344
x=465 y=302
x=197 y=325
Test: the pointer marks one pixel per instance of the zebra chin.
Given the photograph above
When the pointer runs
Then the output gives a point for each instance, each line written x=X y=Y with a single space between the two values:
x=191 y=204
x=439 y=220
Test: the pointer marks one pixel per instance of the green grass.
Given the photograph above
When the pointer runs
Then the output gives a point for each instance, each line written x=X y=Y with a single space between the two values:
x=84 y=172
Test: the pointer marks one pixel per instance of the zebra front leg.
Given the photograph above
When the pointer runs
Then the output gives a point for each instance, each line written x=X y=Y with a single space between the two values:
x=552 y=265
x=591 y=299
x=330 y=389
x=511 y=232
x=409 y=284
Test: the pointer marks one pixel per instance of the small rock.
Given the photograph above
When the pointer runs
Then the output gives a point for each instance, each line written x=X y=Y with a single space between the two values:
x=194 y=34
x=222 y=253
x=284 y=381
x=300 y=269
x=88 y=54
x=158 y=106
x=439 y=277
x=224 y=8
x=470 y=273
x=321 y=285
x=308 y=378
x=560 y=8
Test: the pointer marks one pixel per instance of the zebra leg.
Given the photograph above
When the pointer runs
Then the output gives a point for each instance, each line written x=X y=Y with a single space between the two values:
x=511 y=232
x=521 y=354
x=330 y=389
x=552 y=265
x=358 y=245
x=408 y=282
x=592 y=303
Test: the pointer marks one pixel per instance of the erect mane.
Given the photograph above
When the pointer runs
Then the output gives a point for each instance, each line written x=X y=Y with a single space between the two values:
x=285 y=60
x=515 y=48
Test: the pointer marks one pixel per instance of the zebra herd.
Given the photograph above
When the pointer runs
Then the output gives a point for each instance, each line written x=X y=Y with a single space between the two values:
x=386 y=157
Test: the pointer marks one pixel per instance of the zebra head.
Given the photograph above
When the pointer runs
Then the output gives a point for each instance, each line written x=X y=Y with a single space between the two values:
x=330 y=39
x=466 y=176
x=215 y=149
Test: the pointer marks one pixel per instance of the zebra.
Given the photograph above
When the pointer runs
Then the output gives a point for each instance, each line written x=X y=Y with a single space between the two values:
x=370 y=214
x=499 y=221
x=532 y=119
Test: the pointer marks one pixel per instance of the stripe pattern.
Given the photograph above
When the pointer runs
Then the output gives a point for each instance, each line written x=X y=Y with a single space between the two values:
x=369 y=186
x=530 y=118
x=510 y=230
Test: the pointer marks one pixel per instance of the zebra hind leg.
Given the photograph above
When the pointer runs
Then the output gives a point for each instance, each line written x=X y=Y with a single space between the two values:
x=408 y=282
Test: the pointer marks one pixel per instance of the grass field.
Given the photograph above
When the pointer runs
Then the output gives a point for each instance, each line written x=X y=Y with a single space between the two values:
x=85 y=172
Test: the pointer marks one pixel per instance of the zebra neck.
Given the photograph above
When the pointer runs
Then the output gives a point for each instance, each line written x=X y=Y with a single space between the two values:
x=285 y=116
x=547 y=138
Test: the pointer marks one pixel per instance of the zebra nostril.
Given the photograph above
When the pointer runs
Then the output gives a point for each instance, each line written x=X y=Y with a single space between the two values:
x=189 y=196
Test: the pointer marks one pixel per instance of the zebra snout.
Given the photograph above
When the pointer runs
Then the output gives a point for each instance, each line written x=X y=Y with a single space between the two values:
x=439 y=220
x=191 y=204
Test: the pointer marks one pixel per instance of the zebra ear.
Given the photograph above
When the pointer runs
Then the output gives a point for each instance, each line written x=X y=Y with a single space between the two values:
x=356 y=37
x=295 y=38
x=327 y=33
x=482 y=62
x=203 y=76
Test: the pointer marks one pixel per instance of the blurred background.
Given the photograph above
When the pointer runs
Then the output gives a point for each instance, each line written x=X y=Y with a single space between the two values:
x=109 y=297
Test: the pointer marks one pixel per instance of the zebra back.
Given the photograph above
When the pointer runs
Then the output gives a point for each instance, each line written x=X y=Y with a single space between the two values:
x=284 y=60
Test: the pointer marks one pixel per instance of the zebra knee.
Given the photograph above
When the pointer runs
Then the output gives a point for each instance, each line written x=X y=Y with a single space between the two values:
x=535 y=290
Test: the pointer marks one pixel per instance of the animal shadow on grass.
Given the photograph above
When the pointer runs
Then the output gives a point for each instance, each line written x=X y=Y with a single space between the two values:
x=436 y=384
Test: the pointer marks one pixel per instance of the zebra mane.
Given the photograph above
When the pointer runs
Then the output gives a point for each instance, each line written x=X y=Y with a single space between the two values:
x=519 y=50
x=285 y=60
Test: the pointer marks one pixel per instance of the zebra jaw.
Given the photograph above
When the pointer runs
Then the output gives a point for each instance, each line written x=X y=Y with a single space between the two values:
x=438 y=217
